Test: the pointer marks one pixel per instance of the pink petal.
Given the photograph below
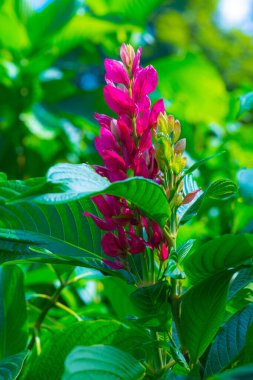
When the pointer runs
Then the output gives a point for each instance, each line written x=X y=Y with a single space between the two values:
x=103 y=225
x=164 y=252
x=106 y=142
x=145 y=142
x=118 y=175
x=136 y=61
x=103 y=120
x=136 y=244
x=103 y=206
x=157 y=234
x=118 y=100
x=144 y=104
x=140 y=168
x=115 y=71
x=142 y=121
x=113 y=161
x=117 y=264
x=156 y=109
x=101 y=170
x=111 y=245
x=145 y=82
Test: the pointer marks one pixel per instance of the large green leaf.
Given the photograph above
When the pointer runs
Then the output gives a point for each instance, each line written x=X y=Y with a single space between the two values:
x=102 y=362
x=50 y=364
x=48 y=17
x=136 y=10
x=87 y=27
x=202 y=312
x=240 y=373
x=228 y=251
x=10 y=367
x=153 y=302
x=13 y=326
x=220 y=189
x=243 y=278
x=67 y=182
x=195 y=103
x=47 y=233
x=229 y=342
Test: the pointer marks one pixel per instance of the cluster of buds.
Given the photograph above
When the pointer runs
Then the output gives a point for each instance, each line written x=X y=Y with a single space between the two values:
x=126 y=147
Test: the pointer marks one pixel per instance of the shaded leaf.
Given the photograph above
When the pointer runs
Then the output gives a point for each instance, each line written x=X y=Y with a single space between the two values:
x=242 y=279
x=100 y=362
x=228 y=251
x=13 y=318
x=50 y=364
x=229 y=342
x=10 y=367
x=240 y=373
x=153 y=302
x=202 y=312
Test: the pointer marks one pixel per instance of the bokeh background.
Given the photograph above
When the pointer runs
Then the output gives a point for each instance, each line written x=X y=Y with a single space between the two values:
x=52 y=76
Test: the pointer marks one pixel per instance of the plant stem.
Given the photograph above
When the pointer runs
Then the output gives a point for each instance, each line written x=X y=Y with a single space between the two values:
x=51 y=302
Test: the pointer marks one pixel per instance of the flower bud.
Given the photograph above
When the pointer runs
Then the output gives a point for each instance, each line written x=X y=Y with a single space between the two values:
x=163 y=152
x=176 y=131
x=178 y=164
x=127 y=55
x=115 y=129
x=180 y=146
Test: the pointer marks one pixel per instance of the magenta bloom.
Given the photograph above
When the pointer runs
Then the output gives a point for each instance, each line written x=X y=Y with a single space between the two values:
x=125 y=145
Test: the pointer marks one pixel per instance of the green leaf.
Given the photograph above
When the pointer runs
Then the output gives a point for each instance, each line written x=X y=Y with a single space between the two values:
x=184 y=249
x=215 y=256
x=201 y=162
x=220 y=189
x=47 y=233
x=202 y=312
x=229 y=342
x=83 y=27
x=50 y=364
x=10 y=367
x=137 y=10
x=102 y=362
x=178 y=84
x=47 y=17
x=116 y=290
x=246 y=103
x=13 y=318
x=242 y=279
x=240 y=373
x=152 y=301
x=173 y=269
x=67 y=182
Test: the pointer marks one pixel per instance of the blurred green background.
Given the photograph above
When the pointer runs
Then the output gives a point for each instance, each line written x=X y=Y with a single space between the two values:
x=52 y=76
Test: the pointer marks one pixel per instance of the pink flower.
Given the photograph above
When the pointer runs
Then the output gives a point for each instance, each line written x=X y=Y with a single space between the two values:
x=118 y=100
x=116 y=72
x=145 y=82
x=164 y=255
x=125 y=145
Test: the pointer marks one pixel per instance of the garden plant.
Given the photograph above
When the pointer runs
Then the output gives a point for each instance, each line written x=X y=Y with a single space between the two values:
x=116 y=225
